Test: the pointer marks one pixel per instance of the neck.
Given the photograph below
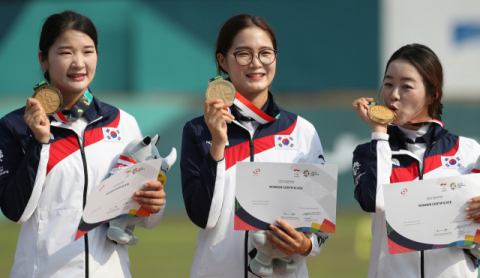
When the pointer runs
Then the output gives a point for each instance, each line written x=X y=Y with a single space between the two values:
x=257 y=99
x=70 y=100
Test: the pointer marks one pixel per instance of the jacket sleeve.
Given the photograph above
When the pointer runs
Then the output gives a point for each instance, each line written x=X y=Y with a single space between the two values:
x=372 y=167
x=203 y=181
x=22 y=173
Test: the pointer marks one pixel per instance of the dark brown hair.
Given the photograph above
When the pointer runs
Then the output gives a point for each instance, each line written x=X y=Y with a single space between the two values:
x=57 y=24
x=428 y=65
x=232 y=27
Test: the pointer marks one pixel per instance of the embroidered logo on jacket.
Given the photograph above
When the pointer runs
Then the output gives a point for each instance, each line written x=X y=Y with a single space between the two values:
x=285 y=142
x=1 y=156
x=451 y=162
x=112 y=134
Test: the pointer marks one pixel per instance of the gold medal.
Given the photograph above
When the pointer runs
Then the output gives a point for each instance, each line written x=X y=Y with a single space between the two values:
x=49 y=97
x=221 y=89
x=381 y=114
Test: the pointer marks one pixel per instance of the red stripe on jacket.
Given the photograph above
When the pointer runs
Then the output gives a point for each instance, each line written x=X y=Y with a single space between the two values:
x=96 y=134
x=60 y=149
x=242 y=151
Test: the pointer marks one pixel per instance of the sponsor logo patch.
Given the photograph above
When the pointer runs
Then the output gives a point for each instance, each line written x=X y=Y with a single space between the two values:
x=112 y=134
x=285 y=142
x=451 y=162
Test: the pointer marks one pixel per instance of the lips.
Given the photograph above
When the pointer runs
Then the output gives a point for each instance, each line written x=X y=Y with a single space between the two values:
x=77 y=76
x=256 y=75
x=393 y=108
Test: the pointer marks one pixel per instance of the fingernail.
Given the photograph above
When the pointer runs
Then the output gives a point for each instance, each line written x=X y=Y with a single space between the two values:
x=135 y=198
x=467 y=209
x=146 y=185
x=470 y=200
x=272 y=226
x=137 y=193
x=279 y=221
x=268 y=233
x=468 y=217
x=230 y=102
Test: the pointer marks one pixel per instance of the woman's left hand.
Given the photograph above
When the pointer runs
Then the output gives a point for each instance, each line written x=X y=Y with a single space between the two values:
x=475 y=207
x=152 y=199
x=288 y=240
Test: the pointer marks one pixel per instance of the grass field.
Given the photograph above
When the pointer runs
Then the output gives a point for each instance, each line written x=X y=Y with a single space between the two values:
x=167 y=250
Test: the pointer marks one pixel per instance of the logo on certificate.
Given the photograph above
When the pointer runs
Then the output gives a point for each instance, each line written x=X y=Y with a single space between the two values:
x=285 y=142
x=256 y=171
x=296 y=173
x=451 y=162
x=453 y=186
x=404 y=191
x=306 y=173
x=443 y=186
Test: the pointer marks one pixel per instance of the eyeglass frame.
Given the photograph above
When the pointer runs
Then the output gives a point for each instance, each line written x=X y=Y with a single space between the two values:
x=253 y=56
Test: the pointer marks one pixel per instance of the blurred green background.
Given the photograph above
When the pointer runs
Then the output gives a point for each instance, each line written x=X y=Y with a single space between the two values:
x=155 y=58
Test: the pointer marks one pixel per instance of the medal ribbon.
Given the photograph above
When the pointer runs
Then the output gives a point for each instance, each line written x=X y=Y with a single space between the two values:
x=248 y=108
x=77 y=110
x=122 y=162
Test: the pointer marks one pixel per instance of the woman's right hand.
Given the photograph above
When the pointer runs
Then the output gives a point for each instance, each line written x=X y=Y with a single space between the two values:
x=361 y=107
x=216 y=117
x=37 y=120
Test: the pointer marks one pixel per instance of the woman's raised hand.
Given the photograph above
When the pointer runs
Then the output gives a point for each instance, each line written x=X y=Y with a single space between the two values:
x=361 y=107
x=216 y=118
x=37 y=120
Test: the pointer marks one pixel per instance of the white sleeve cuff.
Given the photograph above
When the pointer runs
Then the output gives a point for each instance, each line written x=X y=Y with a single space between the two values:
x=380 y=136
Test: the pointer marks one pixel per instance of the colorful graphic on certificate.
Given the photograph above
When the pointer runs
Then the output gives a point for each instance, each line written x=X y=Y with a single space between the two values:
x=112 y=198
x=430 y=214
x=303 y=195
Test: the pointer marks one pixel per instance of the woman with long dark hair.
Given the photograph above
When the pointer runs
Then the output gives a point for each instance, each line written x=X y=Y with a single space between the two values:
x=50 y=164
x=246 y=51
x=410 y=149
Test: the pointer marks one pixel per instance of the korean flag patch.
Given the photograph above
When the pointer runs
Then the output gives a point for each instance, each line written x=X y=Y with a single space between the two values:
x=112 y=134
x=451 y=162
x=285 y=142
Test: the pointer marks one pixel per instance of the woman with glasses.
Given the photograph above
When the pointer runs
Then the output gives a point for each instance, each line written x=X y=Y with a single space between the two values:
x=245 y=130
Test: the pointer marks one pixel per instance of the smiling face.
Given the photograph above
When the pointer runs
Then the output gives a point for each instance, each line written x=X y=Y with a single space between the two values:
x=71 y=63
x=253 y=79
x=404 y=92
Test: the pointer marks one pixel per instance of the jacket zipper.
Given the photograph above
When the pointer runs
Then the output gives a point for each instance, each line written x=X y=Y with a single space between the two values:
x=85 y=187
x=252 y=154
x=420 y=177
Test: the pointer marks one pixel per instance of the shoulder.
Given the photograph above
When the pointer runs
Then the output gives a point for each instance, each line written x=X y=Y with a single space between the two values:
x=362 y=148
x=14 y=119
x=196 y=123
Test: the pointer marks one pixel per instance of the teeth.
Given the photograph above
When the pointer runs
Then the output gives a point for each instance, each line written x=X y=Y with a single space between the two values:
x=256 y=75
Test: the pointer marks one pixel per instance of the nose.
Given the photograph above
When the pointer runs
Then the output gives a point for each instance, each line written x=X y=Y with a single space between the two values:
x=78 y=61
x=255 y=61
x=395 y=94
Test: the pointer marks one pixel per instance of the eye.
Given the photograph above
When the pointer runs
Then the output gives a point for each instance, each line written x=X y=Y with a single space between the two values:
x=64 y=53
x=267 y=53
x=243 y=54
x=387 y=84
x=406 y=86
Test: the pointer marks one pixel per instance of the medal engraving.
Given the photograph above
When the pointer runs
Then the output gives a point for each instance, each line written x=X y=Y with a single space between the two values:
x=221 y=89
x=381 y=114
x=50 y=98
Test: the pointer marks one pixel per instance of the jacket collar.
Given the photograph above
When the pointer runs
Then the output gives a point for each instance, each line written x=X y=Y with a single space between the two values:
x=397 y=138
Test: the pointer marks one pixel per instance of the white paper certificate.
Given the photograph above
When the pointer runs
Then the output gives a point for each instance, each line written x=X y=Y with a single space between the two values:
x=303 y=195
x=113 y=196
x=430 y=214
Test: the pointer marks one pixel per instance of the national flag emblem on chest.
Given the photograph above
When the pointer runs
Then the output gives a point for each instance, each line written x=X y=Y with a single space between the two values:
x=451 y=162
x=112 y=134
x=285 y=142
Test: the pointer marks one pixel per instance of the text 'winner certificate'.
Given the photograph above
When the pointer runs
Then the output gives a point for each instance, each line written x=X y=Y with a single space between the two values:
x=113 y=197
x=430 y=214
x=303 y=195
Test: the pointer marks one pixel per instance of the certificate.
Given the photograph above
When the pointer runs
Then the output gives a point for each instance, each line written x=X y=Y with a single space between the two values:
x=430 y=214
x=303 y=195
x=112 y=198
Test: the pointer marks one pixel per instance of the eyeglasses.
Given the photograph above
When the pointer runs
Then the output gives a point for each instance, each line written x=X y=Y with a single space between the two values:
x=245 y=57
